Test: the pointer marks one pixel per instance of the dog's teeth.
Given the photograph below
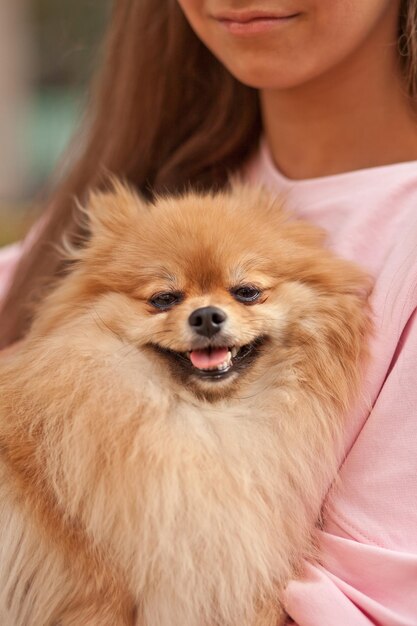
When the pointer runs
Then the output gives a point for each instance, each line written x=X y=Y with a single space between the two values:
x=233 y=352
x=222 y=366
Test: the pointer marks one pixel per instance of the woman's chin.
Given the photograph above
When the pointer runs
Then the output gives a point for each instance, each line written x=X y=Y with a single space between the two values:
x=260 y=73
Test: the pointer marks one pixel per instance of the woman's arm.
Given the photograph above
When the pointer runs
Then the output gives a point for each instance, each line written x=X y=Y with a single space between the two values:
x=9 y=257
x=368 y=571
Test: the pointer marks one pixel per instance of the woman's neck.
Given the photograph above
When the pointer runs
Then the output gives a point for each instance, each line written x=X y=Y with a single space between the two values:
x=356 y=116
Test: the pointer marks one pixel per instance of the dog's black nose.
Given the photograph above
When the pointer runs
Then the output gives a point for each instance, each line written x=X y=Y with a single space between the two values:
x=207 y=321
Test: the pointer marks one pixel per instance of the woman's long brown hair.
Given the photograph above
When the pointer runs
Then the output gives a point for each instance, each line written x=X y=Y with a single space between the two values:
x=164 y=114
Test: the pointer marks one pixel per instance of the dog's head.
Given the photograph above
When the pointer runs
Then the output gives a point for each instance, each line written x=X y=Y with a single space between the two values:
x=209 y=284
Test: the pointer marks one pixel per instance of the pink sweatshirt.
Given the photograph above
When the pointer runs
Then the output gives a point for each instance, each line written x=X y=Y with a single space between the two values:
x=368 y=571
x=9 y=256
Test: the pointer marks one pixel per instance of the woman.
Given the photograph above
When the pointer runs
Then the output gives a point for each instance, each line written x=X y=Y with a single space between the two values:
x=316 y=99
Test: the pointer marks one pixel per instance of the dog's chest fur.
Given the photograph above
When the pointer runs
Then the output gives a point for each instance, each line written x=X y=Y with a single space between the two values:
x=168 y=488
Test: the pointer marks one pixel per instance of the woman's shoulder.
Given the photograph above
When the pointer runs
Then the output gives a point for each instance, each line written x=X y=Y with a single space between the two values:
x=370 y=215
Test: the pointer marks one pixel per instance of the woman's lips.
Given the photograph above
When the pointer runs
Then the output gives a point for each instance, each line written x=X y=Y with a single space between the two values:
x=252 y=22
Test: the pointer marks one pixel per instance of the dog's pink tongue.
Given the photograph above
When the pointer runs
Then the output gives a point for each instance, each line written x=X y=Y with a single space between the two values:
x=202 y=359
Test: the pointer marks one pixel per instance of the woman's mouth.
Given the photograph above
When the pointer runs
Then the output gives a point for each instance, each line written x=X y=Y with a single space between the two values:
x=252 y=22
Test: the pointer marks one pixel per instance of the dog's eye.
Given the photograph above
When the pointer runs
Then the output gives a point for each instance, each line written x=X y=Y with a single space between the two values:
x=166 y=300
x=248 y=293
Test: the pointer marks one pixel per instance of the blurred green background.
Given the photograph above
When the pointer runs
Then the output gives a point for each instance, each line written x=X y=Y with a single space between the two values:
x=48 y=50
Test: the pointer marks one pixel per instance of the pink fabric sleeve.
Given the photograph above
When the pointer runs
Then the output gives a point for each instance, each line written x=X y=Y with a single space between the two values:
x=367 y=574
x=368 y=570
x=9 y=257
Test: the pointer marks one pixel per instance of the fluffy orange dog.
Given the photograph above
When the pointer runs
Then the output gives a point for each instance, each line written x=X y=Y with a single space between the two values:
x=169 y=427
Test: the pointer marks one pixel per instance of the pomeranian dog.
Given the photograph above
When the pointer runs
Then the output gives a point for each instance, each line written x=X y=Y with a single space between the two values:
x=170 y=425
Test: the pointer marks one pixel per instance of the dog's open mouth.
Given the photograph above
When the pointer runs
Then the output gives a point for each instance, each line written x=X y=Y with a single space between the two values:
x=217 y=361
x=214 y=362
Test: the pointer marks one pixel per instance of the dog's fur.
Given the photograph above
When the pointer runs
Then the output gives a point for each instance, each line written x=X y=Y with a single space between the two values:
x=132 y=489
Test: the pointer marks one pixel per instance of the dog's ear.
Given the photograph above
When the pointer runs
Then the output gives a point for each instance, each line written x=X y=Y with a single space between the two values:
x=110 y=211
x=272 y=208
x=256 y=197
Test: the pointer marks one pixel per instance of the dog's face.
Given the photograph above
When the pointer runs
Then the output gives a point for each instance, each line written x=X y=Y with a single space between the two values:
x=206 y=309
x=207 y=284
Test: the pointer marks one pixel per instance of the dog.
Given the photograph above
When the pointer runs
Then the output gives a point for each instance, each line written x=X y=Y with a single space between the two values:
x=172 y=421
